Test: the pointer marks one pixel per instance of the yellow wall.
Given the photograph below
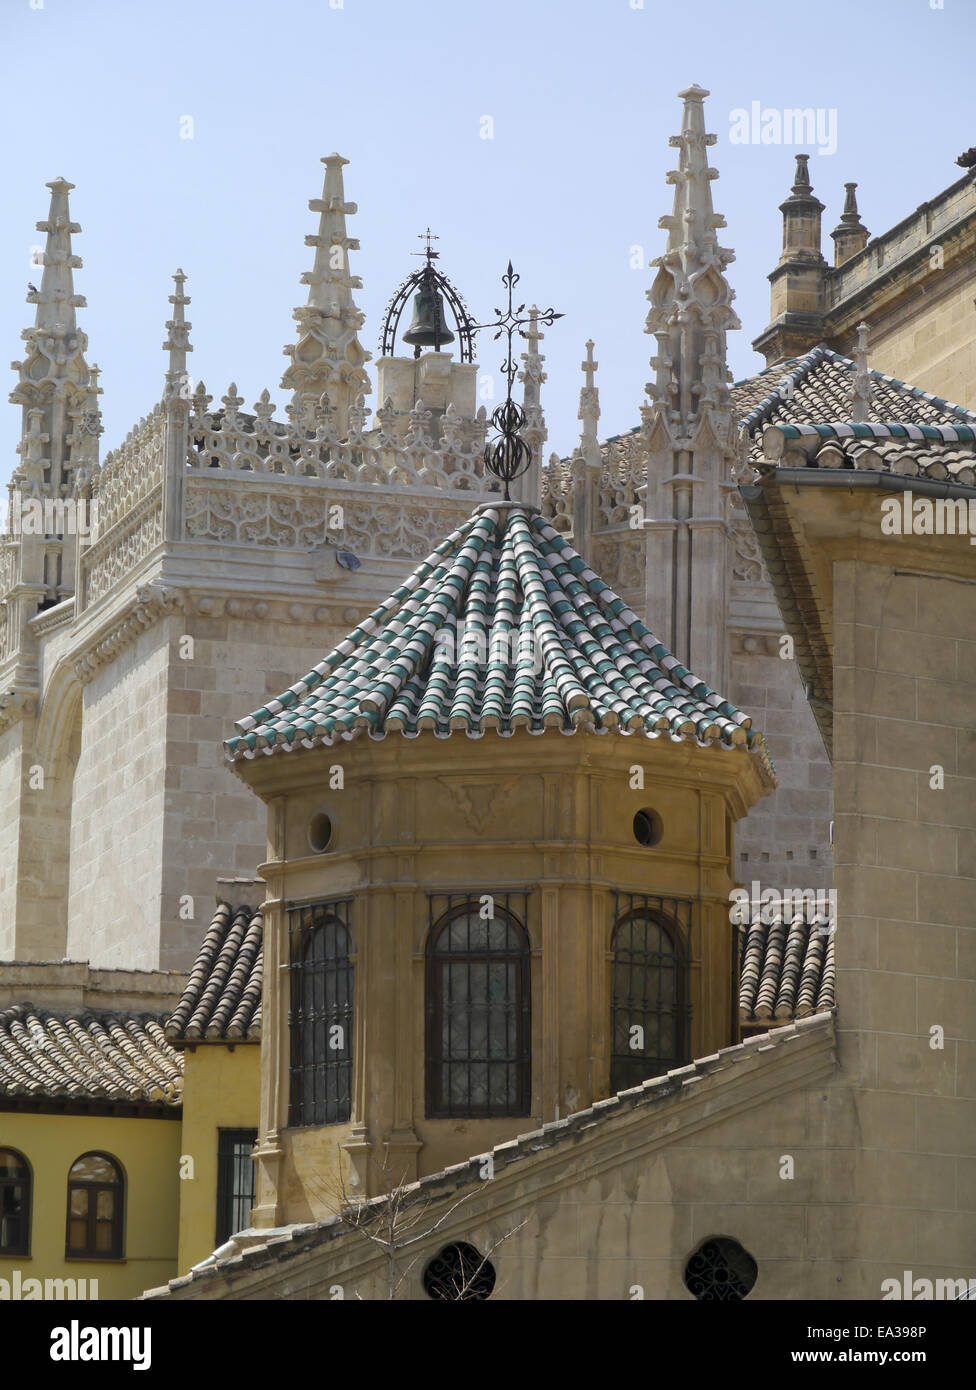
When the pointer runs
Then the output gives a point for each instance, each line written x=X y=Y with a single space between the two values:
x=553 y=817
x=148 y=1151
x=221 y=1090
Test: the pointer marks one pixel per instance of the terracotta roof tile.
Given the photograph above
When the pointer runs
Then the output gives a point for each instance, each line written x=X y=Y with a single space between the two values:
x=786 y=967
x=222 y=999
x=820 y=386
x=87 y=1056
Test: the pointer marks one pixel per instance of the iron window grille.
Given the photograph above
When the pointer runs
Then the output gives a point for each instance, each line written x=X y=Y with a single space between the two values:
x=721 y=1271
x=15 y=1203
x=96 y=1191
x=321 y=1013
x=478 y=1006
x=458 y=1274
x=650 y=1011
x=236 y=1181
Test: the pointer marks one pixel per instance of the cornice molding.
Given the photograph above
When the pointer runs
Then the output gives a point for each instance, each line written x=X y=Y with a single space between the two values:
x=149 y=603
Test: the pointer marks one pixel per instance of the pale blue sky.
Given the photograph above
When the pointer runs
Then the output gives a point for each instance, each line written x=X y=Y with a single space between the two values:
x=582 y=94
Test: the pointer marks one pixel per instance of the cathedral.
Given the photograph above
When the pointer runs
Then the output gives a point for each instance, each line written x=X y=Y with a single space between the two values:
x=434 y=870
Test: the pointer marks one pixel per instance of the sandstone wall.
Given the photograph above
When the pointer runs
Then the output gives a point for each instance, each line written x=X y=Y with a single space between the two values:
x=117 y=809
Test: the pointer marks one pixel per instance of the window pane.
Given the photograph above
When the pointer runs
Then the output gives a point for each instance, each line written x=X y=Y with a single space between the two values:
x=236 y=1181
x=478 y=1053
x=12 y=1166
x=11 y=1198
x=646 y=1021
x=11 y=1232
x=93 y=1168
x=321 y=1017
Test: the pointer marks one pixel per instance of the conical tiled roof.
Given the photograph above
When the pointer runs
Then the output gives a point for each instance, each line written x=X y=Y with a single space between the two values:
x=547 y=645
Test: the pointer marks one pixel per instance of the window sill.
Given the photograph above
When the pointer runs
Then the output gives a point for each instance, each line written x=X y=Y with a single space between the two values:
x=95 y=1259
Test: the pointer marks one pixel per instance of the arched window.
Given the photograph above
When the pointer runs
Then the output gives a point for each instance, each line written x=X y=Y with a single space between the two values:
x=321 y=1015
x=478 y=1027
x=648 y=1006
x=96 y=1192
x=15 y=1203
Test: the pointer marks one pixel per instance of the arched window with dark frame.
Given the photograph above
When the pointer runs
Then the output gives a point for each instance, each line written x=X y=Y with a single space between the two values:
x=649 y=991
x=320 y=1022
x=96 y=1203
x=478 y=1012
x=15 y=1203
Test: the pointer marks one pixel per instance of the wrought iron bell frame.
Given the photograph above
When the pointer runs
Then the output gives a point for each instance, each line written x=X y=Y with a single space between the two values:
x=429 y=278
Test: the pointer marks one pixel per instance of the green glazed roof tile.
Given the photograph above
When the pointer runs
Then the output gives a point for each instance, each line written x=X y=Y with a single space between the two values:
x=503 y=627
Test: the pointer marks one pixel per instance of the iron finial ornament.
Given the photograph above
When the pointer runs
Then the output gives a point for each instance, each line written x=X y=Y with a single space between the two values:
x=509 y=455
x=428 y=250
x=432 y=288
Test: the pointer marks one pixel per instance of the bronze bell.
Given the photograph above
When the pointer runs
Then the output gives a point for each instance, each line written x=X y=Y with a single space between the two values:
x=427 y=328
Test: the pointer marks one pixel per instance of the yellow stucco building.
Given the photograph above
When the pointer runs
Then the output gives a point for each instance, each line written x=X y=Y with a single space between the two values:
x=217 y=1028
x=90 y=1133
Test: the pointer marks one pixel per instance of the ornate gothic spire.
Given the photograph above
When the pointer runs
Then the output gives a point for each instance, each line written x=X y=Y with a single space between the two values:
x=587 y=460
x=177 y=343
x=328 y=357
x=589 y=410
x=691 y=298
x=528 y=487
x=689 y=426
x=53 y=384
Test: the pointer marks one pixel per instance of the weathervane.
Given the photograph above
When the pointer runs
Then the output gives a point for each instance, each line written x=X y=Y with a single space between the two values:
x=509 y=455
x=428 y=251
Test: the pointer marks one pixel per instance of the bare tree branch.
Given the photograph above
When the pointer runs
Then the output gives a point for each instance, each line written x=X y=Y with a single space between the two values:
x=391 y=1221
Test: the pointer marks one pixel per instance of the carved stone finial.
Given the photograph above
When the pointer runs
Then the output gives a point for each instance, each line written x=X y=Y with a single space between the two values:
x=328 y=356
x=589 y=410
x=862 y=377
x=850 y=235
x=178 y=342
x=801 y=176
x=528 y=487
